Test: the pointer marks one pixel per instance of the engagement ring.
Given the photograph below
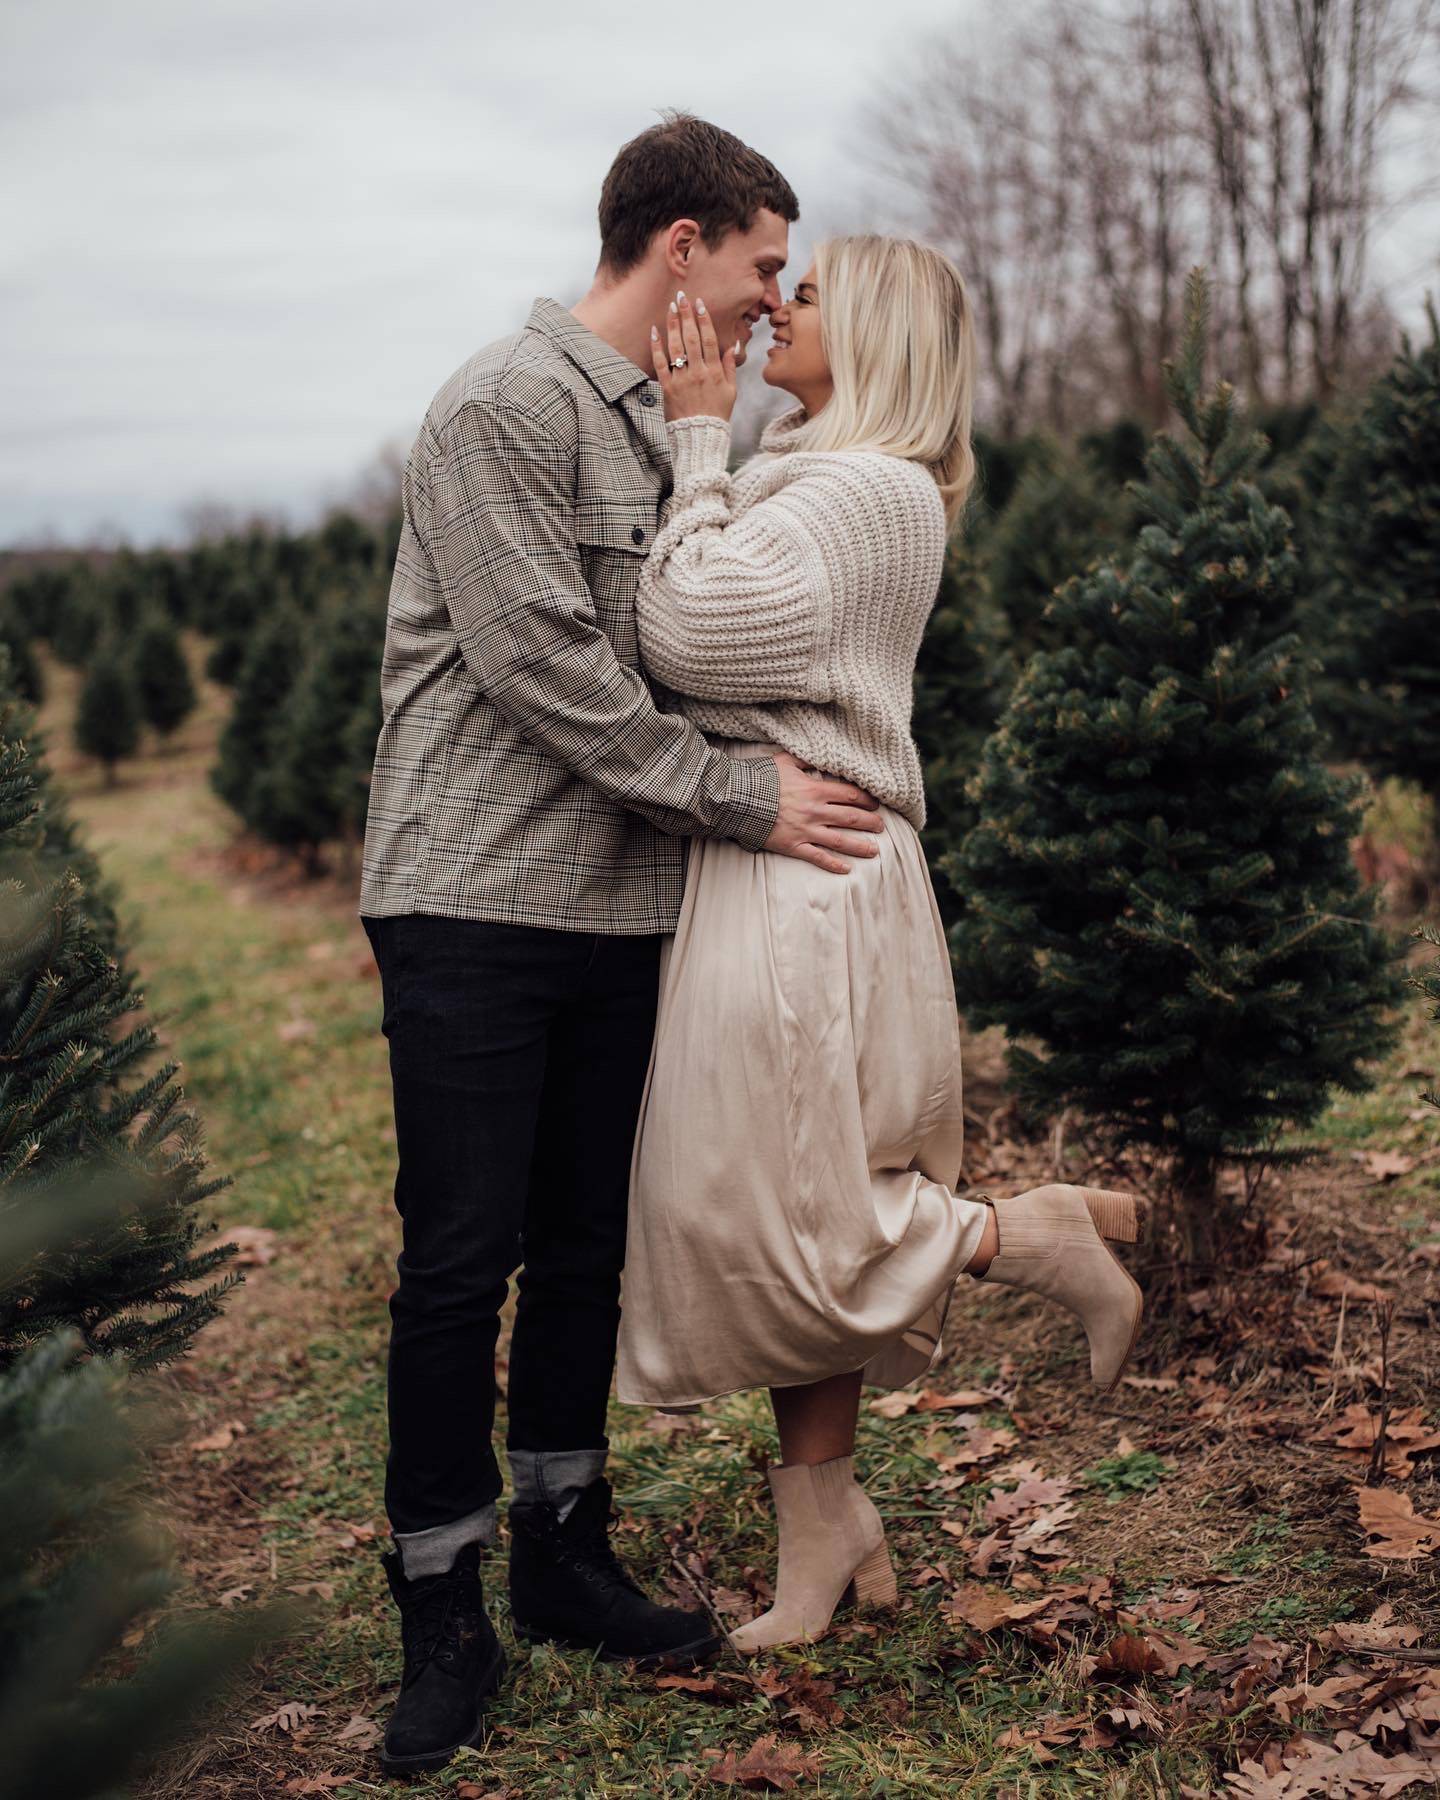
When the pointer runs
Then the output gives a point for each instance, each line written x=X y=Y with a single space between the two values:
x=679 y=362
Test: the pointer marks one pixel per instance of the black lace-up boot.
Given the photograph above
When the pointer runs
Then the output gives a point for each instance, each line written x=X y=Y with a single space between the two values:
x=567 y=1586
x=453 y=1664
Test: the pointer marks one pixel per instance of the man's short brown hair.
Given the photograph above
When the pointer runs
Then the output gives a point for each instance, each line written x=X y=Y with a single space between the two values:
x=685 y=169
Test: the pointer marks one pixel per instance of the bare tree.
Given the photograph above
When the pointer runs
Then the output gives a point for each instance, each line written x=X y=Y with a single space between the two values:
x=1082 y=155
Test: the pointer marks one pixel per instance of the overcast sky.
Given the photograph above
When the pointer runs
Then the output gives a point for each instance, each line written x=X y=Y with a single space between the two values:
x=243 y=241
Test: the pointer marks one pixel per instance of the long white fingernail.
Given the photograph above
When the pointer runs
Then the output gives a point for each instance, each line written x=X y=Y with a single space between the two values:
x=654 y=333
x=699 y=306
x=680 y=294
x=673 y=307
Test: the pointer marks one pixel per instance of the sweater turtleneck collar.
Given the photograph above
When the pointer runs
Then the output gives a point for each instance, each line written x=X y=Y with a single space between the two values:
x=779 y=435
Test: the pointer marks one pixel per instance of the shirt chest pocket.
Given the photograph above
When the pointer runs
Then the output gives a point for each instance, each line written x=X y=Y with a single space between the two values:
x=614 y=538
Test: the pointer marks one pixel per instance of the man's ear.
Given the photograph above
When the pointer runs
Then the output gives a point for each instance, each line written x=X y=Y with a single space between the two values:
x=680 y=241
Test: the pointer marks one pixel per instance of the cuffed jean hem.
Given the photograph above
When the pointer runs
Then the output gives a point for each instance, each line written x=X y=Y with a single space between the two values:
x=432 y=1552
x=556 y=1477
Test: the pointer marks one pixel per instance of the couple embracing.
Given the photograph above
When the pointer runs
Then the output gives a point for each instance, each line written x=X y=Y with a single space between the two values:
x=664 y=981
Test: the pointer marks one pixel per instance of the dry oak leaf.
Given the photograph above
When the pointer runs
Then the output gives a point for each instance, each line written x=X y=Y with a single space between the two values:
x=812 y=1704
x=1391 y=1519
x=1349 y=1766
x=285 y=1718
x=766 y=1764
x=708 y=1687
x=255 y=1245
x=986 y=1608
x=1406 y=1435
x=359 y=1730
x=1374 y=1633
x=316 y=1784
x=1140 y=1652
x=221 y=1438
x=1384 y=1165
x=964 y=1399
x=1335 y=1284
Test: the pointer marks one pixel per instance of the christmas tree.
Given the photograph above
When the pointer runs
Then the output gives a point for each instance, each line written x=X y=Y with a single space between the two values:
x=107 y=719
x=79 y=1570
x=1159 y=894
x=257 y=719
x=302 y=798
x=962 y=680
x=75 y=1109
x=1061 y=517
x=162 y=675
x=1381 y=519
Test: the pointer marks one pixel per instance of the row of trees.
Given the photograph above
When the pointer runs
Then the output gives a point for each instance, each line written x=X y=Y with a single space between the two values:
x=294 y=623
x=104 y=1274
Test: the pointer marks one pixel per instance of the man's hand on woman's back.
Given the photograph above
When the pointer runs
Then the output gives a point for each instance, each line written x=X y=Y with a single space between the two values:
x=822 y=820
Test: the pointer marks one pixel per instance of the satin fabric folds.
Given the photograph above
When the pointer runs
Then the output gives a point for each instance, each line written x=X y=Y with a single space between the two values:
x=792 y=1203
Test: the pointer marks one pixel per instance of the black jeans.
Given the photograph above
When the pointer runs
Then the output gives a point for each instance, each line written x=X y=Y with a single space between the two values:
x=518 y=1058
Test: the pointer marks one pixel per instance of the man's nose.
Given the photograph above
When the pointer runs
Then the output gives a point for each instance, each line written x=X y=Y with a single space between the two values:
x=771 y=298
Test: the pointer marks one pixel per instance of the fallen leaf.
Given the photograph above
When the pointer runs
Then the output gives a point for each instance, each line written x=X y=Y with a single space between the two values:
x=967 y=1397
x=316 y=1784
x=1148 y=1653
x=1391 y=1519
x=285 y=1718
x=221 y=1438
x=766 y=1764
x=322 y=1590
x=709 y=1687
x=985 y=1608
x=1384 y=1165
x=361 y=1731
x=1334 y=1284
x=293 y=1030
x=255 y=1245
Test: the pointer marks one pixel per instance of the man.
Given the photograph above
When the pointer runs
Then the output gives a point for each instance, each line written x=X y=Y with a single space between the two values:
x=524 y=856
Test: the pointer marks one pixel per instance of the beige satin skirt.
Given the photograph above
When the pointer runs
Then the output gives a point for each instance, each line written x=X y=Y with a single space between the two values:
x=792 y=1204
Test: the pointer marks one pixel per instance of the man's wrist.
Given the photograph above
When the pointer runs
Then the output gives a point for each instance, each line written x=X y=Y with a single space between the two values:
x=755 y=802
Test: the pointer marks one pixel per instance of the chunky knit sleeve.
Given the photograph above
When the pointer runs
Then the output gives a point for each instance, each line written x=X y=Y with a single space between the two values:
x=732 y=606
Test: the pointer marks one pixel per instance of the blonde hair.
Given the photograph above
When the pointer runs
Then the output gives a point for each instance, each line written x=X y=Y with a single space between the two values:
x=896 y=330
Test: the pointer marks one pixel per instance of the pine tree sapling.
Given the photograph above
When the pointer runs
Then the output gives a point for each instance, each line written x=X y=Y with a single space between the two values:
x=255 y=728
x=962 y=680
x=107 y=719
x=74 y=1104
x=79 y=1570
x=162 y=675
x=1160 y=890
x=1382 y=538
x=1061 y=517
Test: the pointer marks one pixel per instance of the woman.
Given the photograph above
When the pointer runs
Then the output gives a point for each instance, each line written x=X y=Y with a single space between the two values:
x=793 y=1219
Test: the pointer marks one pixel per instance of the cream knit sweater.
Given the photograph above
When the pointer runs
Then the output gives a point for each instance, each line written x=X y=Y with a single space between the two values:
x=785 y=604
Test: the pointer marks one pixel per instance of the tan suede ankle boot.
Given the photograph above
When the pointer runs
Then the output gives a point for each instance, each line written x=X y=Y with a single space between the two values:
x=1053 y=1242
x=832 y=1543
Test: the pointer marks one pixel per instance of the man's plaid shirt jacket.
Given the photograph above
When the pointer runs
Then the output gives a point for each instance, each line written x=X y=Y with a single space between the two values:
x=523 y=772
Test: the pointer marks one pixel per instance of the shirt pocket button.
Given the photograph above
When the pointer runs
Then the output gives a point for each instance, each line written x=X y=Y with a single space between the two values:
x=637 y=536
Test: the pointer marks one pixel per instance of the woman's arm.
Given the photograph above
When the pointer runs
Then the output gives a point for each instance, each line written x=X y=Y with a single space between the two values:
x=735 y=608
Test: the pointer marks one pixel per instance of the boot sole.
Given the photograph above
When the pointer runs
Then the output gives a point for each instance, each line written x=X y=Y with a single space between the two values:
x=437 y=1759
x=681 y=1656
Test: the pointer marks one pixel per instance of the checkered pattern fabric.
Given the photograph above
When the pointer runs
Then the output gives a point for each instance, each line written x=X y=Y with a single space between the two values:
x=524 y=772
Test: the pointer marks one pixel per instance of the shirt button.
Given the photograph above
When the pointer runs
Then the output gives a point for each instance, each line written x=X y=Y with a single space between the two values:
x=647 y=398
x=637 y=536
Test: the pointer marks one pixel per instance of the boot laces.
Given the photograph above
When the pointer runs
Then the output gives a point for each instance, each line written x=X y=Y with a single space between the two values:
x=440 y=1623
x=593 y=1556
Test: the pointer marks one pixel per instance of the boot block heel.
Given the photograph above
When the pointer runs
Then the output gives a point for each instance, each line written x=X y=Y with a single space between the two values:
x=1118 y=1217
x=873 y=1583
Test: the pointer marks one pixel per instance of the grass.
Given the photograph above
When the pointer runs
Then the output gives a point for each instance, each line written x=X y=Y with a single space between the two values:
x=267 y=994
